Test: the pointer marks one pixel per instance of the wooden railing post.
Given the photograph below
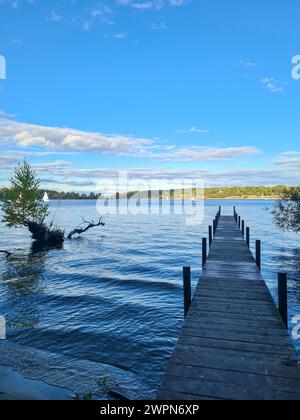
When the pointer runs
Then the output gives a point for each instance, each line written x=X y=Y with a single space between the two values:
x=258 y=253
x=239 y=222
x=282 y=297
x=210 y=235
x=187 y=290
x=243 y=227
x=248 y=236
x=204 y=251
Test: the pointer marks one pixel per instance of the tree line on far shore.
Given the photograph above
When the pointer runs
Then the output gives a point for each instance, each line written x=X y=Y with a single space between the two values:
x=210 y=193
x=246 y=192
x=59 y=195
x=259 y=192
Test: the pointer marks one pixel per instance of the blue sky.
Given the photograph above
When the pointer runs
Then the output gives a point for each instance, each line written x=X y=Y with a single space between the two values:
x=162 y=88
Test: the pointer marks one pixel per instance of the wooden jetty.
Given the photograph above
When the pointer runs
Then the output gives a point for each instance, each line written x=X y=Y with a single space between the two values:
x=234 y=344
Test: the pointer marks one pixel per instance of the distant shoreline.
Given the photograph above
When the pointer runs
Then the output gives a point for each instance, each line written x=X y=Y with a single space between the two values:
x=156 y=199
x=245 y=198
x=209 y=193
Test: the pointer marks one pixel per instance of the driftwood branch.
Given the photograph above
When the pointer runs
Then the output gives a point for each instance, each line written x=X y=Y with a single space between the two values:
x=5 y=252
x=89 y=225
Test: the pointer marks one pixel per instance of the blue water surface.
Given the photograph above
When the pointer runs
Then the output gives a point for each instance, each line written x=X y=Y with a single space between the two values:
x=114 y=295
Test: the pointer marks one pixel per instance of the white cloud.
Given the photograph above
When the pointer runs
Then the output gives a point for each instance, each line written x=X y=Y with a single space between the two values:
x=152 y=4
x=246 y=64
x=70 y=140
x=54 y=17
x=120 y=35
x=65 y=139
x=208 y=154
x=290 y=153
x=193 y=130
x=102 y=13
x=64 y=174
x=229 y=177
x=289 y=161
x=4 y=114
x=273 y=85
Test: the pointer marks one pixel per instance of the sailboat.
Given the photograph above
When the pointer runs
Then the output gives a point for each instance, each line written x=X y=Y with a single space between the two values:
x=46 y=198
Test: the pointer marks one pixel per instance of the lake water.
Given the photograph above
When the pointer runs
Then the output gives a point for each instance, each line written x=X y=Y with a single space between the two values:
x=114 y=295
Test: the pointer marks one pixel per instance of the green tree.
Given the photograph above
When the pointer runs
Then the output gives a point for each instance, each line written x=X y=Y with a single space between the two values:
x=21 y=204
x=286 y=212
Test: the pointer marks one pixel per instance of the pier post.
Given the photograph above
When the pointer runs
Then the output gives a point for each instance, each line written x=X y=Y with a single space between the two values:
x=239 y=222
x=248 y=236
x=220 y=210
x=214 y=226
x=282 y=297
x=258 y=253
x=243 y=227
x=187 y=294
x=204 y=251
x=210 y=234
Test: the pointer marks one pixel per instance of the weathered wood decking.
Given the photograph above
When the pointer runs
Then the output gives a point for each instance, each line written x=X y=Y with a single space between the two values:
x=233 y=344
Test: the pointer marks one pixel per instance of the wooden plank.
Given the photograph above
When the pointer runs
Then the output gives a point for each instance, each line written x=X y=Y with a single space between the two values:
x=238 y=345
x=233 y=344
x=207 y=316
x=227 y=391
x=238 y=378
x=236 y=336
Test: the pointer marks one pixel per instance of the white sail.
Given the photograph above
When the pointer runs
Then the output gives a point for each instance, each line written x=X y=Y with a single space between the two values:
x=46 y=198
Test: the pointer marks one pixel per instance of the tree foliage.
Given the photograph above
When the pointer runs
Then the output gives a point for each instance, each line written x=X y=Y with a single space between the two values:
x=286 y=212
x=21 y=203
x=245 y=192
x=59 y=195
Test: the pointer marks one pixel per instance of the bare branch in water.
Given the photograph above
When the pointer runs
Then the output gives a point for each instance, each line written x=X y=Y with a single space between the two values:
x=90 y=225
x=5 y=252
